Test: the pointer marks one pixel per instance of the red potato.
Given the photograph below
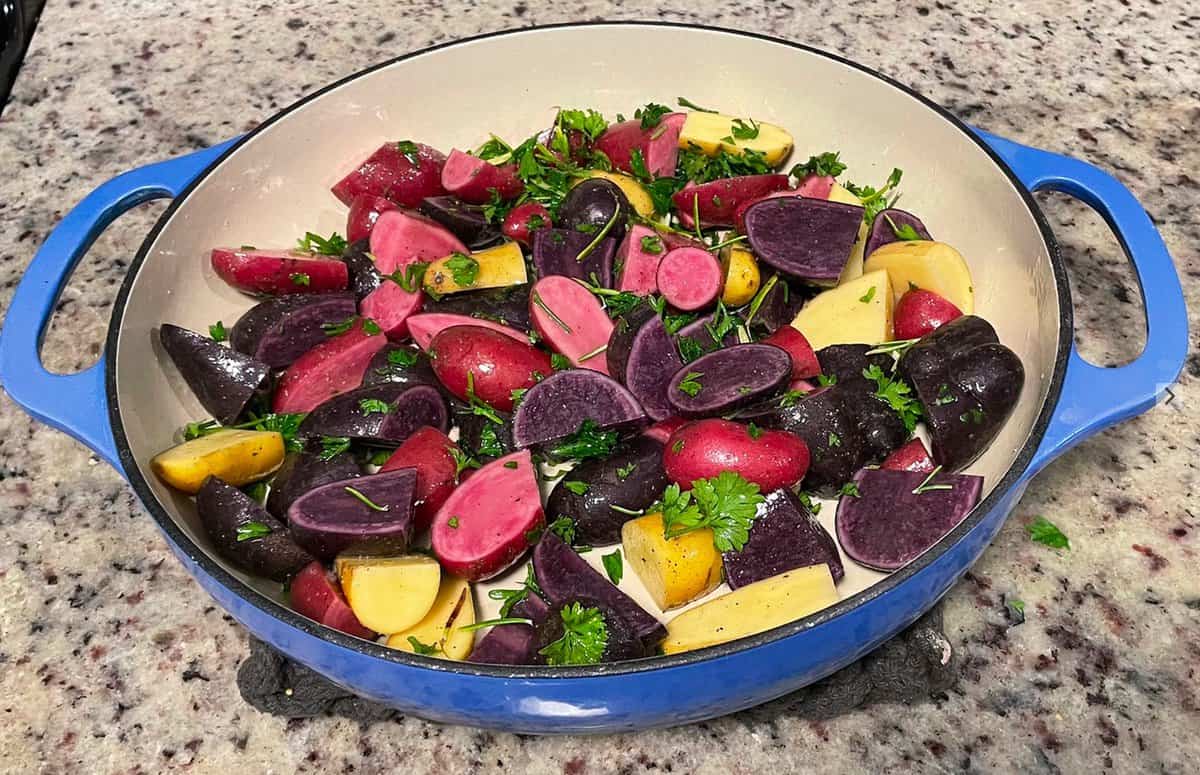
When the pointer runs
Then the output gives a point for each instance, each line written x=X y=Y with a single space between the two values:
x=428 y=450
x=804 y=360
x=661 y=431
x=364 y=212
x=403 y=172
x=326 y=370
x=424 y=327
x=718 y=200
x=705 y=448
x=486 y=524
x=472 y=179
x=739 y=215
x=639 y=256
x=314 y=593
x=911 y=457
x=659 y=145
x=689 y=278
x=272 y=272
x=390 y=306
x=816 y=186
x=498 y=364
x=523 y=220
x=571 y=321
x=920 y=311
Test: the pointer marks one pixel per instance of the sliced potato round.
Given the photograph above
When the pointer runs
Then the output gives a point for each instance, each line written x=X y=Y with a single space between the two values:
x=932 y=266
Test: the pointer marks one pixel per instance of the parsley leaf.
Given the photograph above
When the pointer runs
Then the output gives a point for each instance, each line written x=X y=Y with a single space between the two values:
x=286 y=425
x=689 y=348
x=754 y=432
x=904 y=232
x=850 y=489
x=299 y=278
x=494 y=150
x=624 y=471
x=579 y=488
x=743 y=131
x=584 y=638
x=248 y=531
x=637 y=165
x=651 y=114
x=1046 y=532
x=511 y=597
x=409 y=277
x=691 y=383
x=652 y=244
x=423 y=649
x=489 y=442
x=462 y=461
x=340 y=327
x=866 y=297
x=726 y=503
x=370 y=406
x=825 y=164
x=332 y=446
x=826 y=380
x=564 y=528
x=463 y=268
x=333 y=245
x=875 y=200
x=614 y=566
x=695 y=165
x=791 y=397
x=402 y=356
x=585 y=443
x=217 y=332
x=591 y=123
x=410 y=151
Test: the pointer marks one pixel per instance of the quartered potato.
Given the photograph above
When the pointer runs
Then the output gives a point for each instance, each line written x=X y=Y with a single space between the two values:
x=859 y=312
x=454 y=608
x=496 y=267
x=928 y=265
x=742 y=277
x=237 y=457
x=714 y=132
x=676 y=570
x=389 y=594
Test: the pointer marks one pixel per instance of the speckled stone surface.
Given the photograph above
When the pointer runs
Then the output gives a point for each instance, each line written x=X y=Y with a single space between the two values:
x=112 y=660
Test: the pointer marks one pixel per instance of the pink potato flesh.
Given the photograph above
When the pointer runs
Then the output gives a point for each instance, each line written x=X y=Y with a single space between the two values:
x=390 y=306
x=718 y=200
x=364 y=212
x=911 y=457
x=659 y=145
x=689 y=278
x=498 y=364
x=705 y=448
x=424 y=327
x=326 y=370
x=472 y=179
x=274 y=272
x=804 y=360
x=315 y=594
x=816 y=186
x=571 y=321
x=639 y=265
x=662 y=430
x=391 y=173
x=486 y=524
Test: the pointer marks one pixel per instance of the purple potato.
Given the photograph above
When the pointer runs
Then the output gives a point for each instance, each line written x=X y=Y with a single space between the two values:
x=591 y=204
x=642 y=356
x=245 y=534
x=698 y=332
x=632 y=478
x=280 y=330
x=507 y=306
x=384 y=414
x=900 y=514
x=880 y=426
x=364 y=276
x=968 y=384
x=565 y=577
x=402 y=365
x=508 y=644
x=883 y=232
x=778 y=308
x=465 y=221
x=223 y=379
x=558 y=405
x=531 y=607
x=624 y=641
x=479 y=436
x=784 y=536
x=305 y=470
x=333 y=518
x=728 y=379
x=556 y=251
x=808 y=239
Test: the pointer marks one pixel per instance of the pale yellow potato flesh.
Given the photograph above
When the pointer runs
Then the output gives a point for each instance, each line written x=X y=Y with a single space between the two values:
x=499 y=267
x=389 y=594
x=854 y=266
x=676 y=570
x=859 y=312
x=713 y=132
x=237 y=457
x=752 y=609
x=932 y=266
x=742 y=277
x=635 y=192
x=440 y=628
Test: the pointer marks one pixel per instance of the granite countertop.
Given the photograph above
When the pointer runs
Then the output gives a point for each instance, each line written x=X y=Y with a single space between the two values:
x=113 y=660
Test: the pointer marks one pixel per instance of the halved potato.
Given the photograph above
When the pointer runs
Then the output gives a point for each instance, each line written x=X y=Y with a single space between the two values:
x=742 y=277
x=389 y=594
x=635 y=192
x=854 y=266
x=752 y=609
x=932 y=266
x=713 y=132
x=496 y=267
x=453 y=608
x=237 y=457
x=859 y=312
x=676 y=570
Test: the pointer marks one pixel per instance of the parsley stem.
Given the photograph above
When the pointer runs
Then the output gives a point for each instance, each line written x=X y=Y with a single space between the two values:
x=898 y=345
x=925 y=486
x=696 y=216
x=494 y=623
x=537 y=299
x=660 y=226
x=684 y=102
x=730 y=241
x=596 y=289
x=600 y=235
x=623 y=510
x=759 y=297
x=593 y=353
x=372 y=505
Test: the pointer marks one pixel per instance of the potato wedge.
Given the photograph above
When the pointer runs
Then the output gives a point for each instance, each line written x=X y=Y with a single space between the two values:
x=742 y=277
x=453 y=608
x=714 y=132
x=389 y=594
x=635 y=192
x=676 y=570
x=752 y=609
x=859 y=312
x=932 y=266
x=854 y=266
x=496 y=267
x=237 y=457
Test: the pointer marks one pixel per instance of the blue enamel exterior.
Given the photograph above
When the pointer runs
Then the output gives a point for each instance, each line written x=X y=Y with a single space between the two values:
x=619 y=697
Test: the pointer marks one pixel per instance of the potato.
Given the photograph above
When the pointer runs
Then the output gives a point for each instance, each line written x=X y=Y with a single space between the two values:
x=928 y=265
x=854 y=266
x=859 y=312
x=496 y=267
x=676 y=570
x=741 y=276
x=237 y=457
x=752 y=609
x=389 y=594
x=635 y=192
x=453 y=608
x=713 y=132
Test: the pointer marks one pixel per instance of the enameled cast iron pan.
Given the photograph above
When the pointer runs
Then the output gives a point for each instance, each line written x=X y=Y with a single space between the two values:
x=971 y=188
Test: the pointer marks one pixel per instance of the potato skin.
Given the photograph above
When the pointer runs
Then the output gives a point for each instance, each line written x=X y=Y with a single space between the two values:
x=705 y=448
x=498 y=363
x=235 y=456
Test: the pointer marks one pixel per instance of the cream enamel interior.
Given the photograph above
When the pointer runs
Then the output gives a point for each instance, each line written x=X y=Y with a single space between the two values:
x=276 y=186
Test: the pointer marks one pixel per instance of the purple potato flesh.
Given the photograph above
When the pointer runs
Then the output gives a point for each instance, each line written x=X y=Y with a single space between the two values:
x=642 y=356
x=223 y=379
x=887 y=222
x=245 y=534
x=384 y=414
x=508 y=644
x=784 y=536
x=698 y=332
x=279 y=331
x=559 y=404
x=729 y=378
x=305 y=470
x=897 y=515
x=337 y=517
x=808 y=239
x=557 y=251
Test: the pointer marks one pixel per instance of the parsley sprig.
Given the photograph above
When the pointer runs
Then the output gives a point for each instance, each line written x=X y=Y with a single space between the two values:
x=584 y=638
x=875 y=200
x=823 y=164
x=588 y=442
x=726 y=503
x=333 y=245
x=896 y=393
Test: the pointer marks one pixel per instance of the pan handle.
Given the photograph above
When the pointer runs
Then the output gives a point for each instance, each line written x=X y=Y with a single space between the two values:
x=1094 y=398
x=77 y=404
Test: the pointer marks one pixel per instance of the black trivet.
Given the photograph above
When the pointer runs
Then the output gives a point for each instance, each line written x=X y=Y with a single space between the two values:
x=912 y=666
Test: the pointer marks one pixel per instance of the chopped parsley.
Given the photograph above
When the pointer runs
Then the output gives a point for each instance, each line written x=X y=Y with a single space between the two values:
x=452 y=523
x=726 y=503
x=584 y=638
x=827 y=164
x=613 y=566
x=690 y=384
x=904 y=232
x=812 y=505
x=462 y=461
x=588 y=442
x=652 y=244
x=698 y=167
x=248 y=531
x=851 y=489
x=896 y=393
x=1046 y=532
x=478 y=405
x=463 y=268
x=332 y=446
x=754 y=431
x=371 y=328
x=424 y=649
x=745 y=131
x=340 y=327
x=410 y=277
x=866 y=297
x=299 y=278
x=217 y=332
x=511 y=597
x=791 y=397
x=835 y=440
x=826 y=380
x=689 y=348
x=651 y=114
x=359 y=496
x=369 y=406
x=558 y=362
x=402 y=356
x=624 y=471
x=944 y=396
x=512 y=464
x=333 y=245
x=591 y=123
x=409 y=150
x=489 y=442
x=684 y=102
x=579 y=488
x=973 y=415
x=564 y=528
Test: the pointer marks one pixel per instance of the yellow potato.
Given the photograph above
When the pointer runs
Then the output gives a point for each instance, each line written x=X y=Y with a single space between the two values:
x=676 y=570
x=859 y=312
x=752 y=609
x=453 y=608
x=389 y=594
x=713 y=132
x=741 y=276
x=235 y=456
x=496 y=267
x=635 y=192
x=854 y=267
x=933 y=266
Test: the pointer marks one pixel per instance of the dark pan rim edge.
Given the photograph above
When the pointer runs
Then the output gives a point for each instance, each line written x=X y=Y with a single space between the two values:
x=370 y=648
